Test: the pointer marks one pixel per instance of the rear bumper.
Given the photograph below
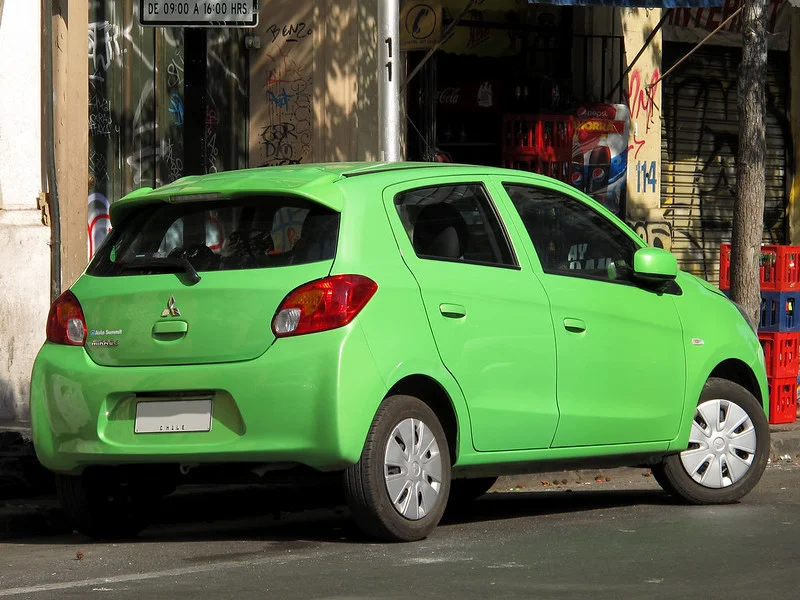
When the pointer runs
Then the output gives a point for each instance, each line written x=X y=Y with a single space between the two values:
x=307 y=400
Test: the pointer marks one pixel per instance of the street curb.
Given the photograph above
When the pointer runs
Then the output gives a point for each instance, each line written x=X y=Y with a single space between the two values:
x=785 y=442
x=39 y=516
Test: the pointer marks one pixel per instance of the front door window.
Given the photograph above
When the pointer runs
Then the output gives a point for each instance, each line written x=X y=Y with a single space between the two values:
x=570 y=238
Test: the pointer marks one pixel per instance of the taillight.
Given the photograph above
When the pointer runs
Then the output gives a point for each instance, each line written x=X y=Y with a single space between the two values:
x=65 y=323
x=323 y=304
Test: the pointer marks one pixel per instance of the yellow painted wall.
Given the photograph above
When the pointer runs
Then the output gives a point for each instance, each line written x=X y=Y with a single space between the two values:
x=313 y=89
x=645 y=212
x=282 y=84
x=71 y=116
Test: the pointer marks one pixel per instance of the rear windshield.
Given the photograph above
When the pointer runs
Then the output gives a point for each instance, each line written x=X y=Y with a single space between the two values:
x=247 y=233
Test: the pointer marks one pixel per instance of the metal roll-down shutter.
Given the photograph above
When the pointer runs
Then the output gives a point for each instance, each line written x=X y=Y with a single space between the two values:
x=700 y=136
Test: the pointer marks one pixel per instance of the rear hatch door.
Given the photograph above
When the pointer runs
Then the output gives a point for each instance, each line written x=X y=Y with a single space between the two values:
x=199 y=282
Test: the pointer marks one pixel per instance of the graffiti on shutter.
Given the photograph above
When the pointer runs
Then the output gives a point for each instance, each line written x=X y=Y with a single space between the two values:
x=700 y=137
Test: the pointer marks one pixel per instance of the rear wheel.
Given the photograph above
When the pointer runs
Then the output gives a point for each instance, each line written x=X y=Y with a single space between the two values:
x=728 y=448
x=398 y=489
x=104 y=507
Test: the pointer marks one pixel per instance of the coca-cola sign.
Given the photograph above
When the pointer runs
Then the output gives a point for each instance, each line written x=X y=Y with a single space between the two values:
x=448 y=95
x=468 y=95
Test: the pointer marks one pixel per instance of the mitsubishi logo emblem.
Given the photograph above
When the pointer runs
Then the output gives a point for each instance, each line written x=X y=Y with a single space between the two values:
x=171 y=310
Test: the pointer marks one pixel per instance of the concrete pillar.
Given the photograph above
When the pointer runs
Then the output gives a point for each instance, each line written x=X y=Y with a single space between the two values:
x=644 y=154
x=71 y=131
x=24 y=250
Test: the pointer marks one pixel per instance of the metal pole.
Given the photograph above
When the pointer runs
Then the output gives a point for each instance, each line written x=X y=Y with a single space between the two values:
x=389 y=80
x=194 y=101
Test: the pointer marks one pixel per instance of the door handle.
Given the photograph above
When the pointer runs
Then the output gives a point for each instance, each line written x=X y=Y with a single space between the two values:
x=453 y=311
x=170 y=329
x=574 y=325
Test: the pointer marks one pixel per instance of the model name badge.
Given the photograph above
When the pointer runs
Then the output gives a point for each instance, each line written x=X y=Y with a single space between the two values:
x=106 y=332
x=104 y=343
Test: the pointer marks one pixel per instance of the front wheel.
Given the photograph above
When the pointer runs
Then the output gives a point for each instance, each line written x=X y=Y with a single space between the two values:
x=728 y=448
x=398 y=489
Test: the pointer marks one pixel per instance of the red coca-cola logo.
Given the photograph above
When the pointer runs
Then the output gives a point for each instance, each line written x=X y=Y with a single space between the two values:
x=449 y=95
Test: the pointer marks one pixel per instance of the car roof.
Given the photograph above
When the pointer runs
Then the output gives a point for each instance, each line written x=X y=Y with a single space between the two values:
x=302 y=180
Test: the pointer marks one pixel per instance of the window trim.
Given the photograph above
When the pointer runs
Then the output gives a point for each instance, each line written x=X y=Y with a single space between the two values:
x=494 y=211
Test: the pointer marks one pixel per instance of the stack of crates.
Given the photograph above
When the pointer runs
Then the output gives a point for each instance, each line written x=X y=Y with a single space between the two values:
x=538 y=143
x=779 y=324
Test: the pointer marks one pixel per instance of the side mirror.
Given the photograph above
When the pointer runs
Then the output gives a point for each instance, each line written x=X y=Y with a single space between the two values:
x=654 y=264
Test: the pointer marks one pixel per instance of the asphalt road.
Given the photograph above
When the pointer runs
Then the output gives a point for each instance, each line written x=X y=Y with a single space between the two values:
x=614 y=539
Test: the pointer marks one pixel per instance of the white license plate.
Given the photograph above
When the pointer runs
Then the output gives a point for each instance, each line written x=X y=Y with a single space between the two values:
x=177 y=416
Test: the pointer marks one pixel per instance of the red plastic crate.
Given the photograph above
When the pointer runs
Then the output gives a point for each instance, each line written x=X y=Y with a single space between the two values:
x=546 y=137
x=531 y=163
x=780 y=352
x=779 y=272
x=782 y=400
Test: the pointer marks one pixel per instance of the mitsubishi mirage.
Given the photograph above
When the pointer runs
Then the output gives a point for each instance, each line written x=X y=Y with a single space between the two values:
x=414 y=329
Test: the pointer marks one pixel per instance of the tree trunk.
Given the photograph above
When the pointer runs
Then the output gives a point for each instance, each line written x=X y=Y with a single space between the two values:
x=748 y=214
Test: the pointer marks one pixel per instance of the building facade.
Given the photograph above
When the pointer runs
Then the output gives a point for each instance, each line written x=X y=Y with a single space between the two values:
x=24 y=220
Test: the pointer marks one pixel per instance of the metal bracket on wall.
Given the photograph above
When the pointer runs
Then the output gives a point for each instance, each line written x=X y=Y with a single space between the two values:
x=252 y=42
x=43 y=204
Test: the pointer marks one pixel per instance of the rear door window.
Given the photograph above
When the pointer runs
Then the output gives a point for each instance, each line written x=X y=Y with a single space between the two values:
x=247 y=233
x=454 y=223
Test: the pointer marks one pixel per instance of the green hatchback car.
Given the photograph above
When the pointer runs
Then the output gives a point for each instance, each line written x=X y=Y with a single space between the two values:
x=415 y=328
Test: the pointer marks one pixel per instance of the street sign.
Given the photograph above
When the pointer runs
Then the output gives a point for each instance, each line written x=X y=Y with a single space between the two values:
x=198 y=13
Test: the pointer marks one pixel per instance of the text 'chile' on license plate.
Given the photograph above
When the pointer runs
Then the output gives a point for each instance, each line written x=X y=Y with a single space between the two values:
x=179 y=416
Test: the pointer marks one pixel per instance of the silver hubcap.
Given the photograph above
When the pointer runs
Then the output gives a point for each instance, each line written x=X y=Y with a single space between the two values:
x=412 y=469
x=722 y=444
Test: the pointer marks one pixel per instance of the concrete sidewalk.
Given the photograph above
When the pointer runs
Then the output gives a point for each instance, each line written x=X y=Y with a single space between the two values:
x=40 y=515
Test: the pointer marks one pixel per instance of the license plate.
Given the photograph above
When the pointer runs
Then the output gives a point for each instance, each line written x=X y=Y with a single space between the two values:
x=178 y=416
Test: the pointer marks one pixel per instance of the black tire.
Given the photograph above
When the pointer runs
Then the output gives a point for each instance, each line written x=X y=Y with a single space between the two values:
x=366 y=488
x=103 y=507
x=676 y=480
x=465 y=491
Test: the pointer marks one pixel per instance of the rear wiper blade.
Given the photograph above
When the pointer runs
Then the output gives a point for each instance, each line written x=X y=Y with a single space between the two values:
x=170 y=265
